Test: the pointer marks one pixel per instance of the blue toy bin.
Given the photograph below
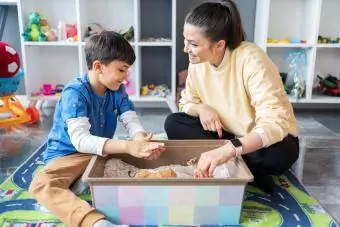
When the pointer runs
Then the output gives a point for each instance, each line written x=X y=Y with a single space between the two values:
x=8 y=86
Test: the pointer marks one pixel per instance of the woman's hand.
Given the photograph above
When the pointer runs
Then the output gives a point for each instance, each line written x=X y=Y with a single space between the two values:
x=211 y=159
x=210 y=120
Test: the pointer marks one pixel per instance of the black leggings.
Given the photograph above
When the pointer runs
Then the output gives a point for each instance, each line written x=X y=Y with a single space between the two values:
x=273 y=160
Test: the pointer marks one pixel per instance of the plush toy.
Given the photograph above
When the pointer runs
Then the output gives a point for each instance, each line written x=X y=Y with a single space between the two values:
x=9 y=61
x=51 y=35
x=96 y=28
x=71 y=32
x=35 y=18
x=44 y=27
x=34 y=32
x=38 y=29
x=92 y=29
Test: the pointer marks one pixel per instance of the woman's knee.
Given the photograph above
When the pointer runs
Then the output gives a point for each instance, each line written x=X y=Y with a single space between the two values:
x=275 y=159
x=287 y=154
x=171 y=122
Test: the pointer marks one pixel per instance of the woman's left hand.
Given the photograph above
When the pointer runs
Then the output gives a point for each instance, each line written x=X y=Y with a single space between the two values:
x=211 y=159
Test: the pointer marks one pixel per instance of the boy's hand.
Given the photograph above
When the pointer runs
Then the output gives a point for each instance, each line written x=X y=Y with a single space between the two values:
x=143 y=136
x=143 y=149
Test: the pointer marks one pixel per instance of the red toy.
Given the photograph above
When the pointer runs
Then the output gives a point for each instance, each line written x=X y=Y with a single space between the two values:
x=329 y=86
x=9 y=61
x=10 y=74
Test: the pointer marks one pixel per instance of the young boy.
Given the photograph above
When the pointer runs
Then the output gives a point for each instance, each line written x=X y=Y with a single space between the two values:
x=84 y=122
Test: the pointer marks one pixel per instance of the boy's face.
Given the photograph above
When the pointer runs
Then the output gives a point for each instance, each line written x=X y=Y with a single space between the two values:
x=114 y=74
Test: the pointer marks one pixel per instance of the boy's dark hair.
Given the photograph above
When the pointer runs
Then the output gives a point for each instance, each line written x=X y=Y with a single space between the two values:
x=106 y=47
x=218 y=21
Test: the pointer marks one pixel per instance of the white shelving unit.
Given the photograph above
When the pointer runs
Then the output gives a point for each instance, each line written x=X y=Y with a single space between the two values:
x=302 y=20
x=8 y=2
x=58 y=62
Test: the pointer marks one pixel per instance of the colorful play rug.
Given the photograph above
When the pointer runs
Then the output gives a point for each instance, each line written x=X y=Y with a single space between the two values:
x=290 y=205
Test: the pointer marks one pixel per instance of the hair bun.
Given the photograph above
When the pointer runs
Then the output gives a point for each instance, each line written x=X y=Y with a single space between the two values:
x=225 y=3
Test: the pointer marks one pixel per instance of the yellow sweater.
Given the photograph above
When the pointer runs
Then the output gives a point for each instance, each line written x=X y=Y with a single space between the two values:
x=246 y=91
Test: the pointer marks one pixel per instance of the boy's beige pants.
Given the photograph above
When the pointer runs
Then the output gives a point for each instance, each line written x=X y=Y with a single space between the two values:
x=51 y=189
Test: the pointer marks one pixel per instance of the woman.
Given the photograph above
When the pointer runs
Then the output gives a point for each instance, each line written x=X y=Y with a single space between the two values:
x=233 y=91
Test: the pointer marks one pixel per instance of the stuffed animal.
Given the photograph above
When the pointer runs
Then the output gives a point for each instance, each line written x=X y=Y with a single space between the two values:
x=38 y=29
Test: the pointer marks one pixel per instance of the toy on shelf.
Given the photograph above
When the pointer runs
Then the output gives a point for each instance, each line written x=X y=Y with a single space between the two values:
x=298 y=88
x=38 y=30
x=295 y=80
x=92 y=29
x=9 y=83
x=96 y=28
x=67 y=32
x=49 y=90
x=157 y=91
x=71 y=32
x=328 y=39
x=329 y=86
x=58 y=89
x=154 y=39
x=286 y=41
x=129 y=34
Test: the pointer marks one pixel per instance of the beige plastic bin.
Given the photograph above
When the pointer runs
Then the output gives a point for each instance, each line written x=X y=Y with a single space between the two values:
x=169 y=201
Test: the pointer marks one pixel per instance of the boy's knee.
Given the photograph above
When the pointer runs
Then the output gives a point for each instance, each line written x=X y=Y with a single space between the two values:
x=38 y=182
x=33 y=186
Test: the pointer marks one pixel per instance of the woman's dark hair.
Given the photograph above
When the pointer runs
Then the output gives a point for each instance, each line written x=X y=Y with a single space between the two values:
x=218 y=21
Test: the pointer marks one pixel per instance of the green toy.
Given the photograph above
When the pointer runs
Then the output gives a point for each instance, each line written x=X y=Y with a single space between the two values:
x=42 y=37
x=329 y=81
x=33 y=31
x=35 y=18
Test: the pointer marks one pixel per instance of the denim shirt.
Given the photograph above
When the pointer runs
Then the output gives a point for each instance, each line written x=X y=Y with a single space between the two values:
x=78 y=99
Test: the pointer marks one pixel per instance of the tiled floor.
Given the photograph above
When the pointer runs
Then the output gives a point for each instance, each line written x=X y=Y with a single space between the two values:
x=319 y=142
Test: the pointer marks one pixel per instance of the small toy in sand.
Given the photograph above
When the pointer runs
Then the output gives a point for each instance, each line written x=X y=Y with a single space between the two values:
x=164 y=173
